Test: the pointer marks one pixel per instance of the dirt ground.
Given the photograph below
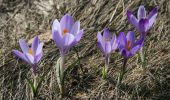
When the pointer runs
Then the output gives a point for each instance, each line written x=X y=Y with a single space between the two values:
x=28 y=18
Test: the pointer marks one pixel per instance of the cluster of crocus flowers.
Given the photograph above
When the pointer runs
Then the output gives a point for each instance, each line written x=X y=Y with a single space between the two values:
x=32 y=55
x=107 y=44
x=143 y=22
x=65 y=34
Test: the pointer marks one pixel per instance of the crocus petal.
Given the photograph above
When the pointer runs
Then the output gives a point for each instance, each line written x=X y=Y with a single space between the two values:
x=20 y=55
x=106 y=34
x=79 y=35
x=143 y=26
x=66 y=22
x=57 y=39
x=132 y=19
x=68 y=40
x=114 y=42
x=122 y=41
x=56 y=27
x=39 y=48
x=38 y=57
x=35 y=44
x=152 y=16
x=124 y=53
x=99 y=37
x=75 y=29
x=131 y=37
x=23 y=45
x=108 y=48
x=100 y=47
x=141 y=12
x=128 y=54
x=30 y=58
x=135 y=49
x=140 y=41
x=100 y=42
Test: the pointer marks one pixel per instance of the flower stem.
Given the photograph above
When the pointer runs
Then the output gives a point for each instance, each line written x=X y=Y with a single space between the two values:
x=105 y=69
x=142 y=56
x=61 y=85
x=122 y=72
x=34 y=70
x=35 y=85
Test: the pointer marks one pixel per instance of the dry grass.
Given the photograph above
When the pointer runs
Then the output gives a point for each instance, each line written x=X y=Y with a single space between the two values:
x=27 y=18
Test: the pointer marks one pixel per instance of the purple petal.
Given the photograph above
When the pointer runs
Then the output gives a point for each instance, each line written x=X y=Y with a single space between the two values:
x=35 y=44
x=131 y=37
x=38 y=57
x=124 y=53
x=39 y=49
x=67 y=22
x=114 y=42
x=76 y=28
x=20 y=55
x=56 y=27
x=106 y=34
x=99 y=37
x=153 y=12
x=108 y=48
x=100 y=42
x=141 y=12
x=135 y=49
x=152 y=16
x=132 y=19
x=143 y=26
x=128 y=54
x=79 y=35
x=100 y=47
x=122 y=41
x=57 y=39
x=68 y=40
x=23 y=46
x=30 y=58
x=140 y=41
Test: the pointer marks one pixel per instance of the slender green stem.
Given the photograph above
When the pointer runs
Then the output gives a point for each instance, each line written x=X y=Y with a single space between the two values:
x=62 y=68
x=142 y=56
x=122 y=72
x=35 y=81
x=35 y=84
x=105 y=69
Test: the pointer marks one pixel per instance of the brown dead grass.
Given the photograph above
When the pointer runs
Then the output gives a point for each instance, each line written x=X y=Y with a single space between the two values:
x=25 y=19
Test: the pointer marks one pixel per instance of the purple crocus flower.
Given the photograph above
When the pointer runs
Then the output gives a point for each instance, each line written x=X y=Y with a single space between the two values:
x=107 y=43
x=32 y=55
x=142 y=23
x=128 y=45
x=66 y=33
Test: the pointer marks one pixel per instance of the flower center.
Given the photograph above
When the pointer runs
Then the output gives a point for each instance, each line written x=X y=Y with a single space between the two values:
x=129 y=45
x=65 y=31
x=30 y=51
x=107 y=39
